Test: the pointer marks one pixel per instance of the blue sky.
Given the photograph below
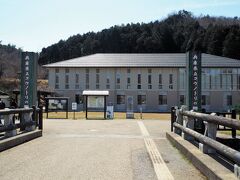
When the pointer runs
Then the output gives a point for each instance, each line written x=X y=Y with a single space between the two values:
x=34 y=24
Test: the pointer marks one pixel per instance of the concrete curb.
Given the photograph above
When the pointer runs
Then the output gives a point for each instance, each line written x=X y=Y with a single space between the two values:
x=19 y=139
x=207 y=165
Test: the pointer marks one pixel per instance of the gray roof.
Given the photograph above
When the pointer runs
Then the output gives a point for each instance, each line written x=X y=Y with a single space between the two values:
x=143 y=60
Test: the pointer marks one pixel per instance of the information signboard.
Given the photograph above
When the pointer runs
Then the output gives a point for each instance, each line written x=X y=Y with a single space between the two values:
x=95 y=101
x=194 y=64
x=28 y=79
x=57 y=104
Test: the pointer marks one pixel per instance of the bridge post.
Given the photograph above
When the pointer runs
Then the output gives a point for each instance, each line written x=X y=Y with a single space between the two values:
x=173 y=117
x=237 y=171
x=234 y=116
x=188 y=122
x=211 y=132
x=28 y=121
x=8 y=122
x=40 y=118
x=179 y=119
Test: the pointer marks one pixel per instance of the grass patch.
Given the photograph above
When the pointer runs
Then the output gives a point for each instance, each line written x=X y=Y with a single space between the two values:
x=100 y=115
x=229 y=132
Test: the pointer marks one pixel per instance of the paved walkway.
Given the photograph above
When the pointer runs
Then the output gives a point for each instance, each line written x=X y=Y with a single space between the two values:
x=97 y=149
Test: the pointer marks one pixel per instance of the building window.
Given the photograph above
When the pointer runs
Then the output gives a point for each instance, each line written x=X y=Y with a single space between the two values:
x=149 y=71
x=139 y=86
x=170 y=81
x=229 y=100
x=226 y=79
x=120 y=99
x=128 y=83
x=77 y=81
x=182 y=100
x=66 y=70
x=97 y=81
x=160 y=81
x=87 y=79
x=182 y=78
x=162 y=99
x=118 y=81
x=56 y=79
x=66 y=81
x=79 y=99
x=128 y=71
x=77 y=78
x=215 y=79
x=205 y=100
x=56 y=82
x=108 y=83
x=56 y=70
x=141 y=99
x=97 y=78
x=149 y=81
x=97 y=71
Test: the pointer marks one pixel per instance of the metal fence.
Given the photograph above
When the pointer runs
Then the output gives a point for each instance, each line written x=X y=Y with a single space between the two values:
x=15 y=121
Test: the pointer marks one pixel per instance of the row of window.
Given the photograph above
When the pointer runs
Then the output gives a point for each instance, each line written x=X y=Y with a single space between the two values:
x=162 y=100
x=214 y=78
x=118 y=80
x=141 y=99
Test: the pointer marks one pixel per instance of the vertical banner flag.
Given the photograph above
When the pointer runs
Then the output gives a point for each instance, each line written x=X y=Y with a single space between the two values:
x=194 y=70
x=28 y=79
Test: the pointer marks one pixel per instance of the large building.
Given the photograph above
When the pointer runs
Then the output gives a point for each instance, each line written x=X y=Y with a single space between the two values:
x=155 y=81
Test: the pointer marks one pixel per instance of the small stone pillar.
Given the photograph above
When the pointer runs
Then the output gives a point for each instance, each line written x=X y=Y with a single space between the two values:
x=28 y=120
x=237 y=171
x=188 y=122
x=179 y=121
x=8 y=122
x=211 y=132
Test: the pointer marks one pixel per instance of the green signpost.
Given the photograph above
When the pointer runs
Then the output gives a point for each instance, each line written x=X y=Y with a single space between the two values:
x=194 y=71
x=29 y=79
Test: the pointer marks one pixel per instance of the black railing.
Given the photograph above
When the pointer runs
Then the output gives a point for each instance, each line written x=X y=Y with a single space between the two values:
x=24 y=119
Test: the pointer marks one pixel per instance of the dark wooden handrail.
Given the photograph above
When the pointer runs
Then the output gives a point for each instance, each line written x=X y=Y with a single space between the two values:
x=15 y=111
x=228 y=122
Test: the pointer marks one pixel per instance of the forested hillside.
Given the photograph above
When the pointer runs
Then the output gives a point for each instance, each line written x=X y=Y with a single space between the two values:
x=9 y=61
x=179 y=32
x=10 y=57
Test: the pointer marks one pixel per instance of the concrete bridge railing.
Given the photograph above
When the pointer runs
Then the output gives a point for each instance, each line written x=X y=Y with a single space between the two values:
x=29 y=118
x=183 y=124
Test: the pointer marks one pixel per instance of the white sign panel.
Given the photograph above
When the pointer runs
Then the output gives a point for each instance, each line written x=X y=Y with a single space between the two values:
x=74 y=106
x=95 y=101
